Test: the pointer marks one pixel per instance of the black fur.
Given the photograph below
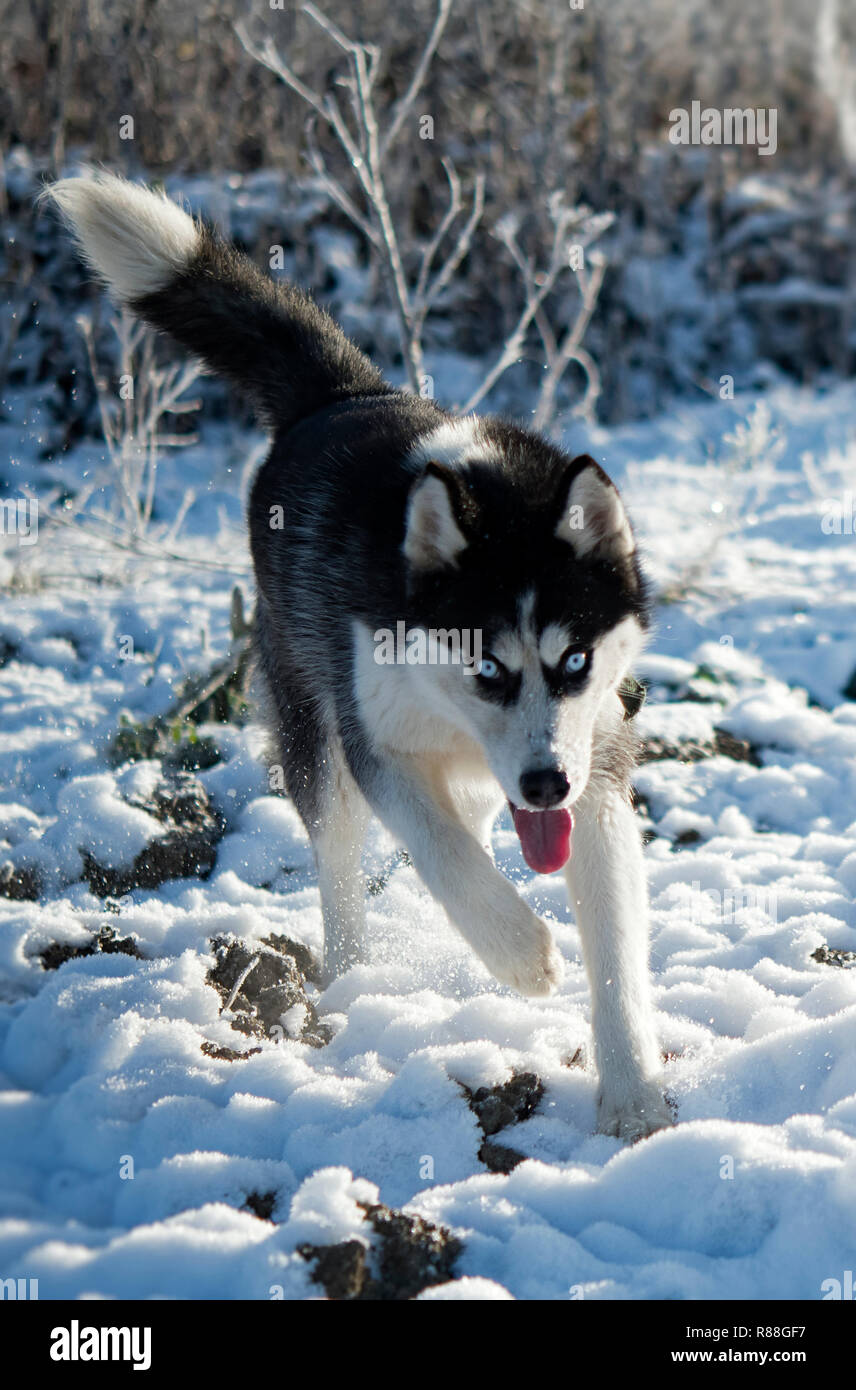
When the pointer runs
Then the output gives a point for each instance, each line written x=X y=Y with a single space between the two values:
x=272 y=340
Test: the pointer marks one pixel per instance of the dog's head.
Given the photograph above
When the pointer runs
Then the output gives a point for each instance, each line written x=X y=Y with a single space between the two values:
x=531 y=551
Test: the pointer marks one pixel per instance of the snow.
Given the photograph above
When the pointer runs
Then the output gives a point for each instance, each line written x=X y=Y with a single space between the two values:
x=127 y=1153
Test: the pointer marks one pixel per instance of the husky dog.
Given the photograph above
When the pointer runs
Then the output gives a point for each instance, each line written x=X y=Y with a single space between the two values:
x=376 y=507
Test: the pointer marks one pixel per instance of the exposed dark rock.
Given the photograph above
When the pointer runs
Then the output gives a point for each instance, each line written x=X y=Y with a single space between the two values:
x=302 y=956
x=135 y=743
x=506 y=1104
x=227 y=1054
x=194 y=755
x=258 y=984
x=261 y=1204
x=832 y=955
x=499 y=1158
x=686 y=837
x=187 y=849
x=406 y=1255
x=496 y=1107
x=697 y=694
x=413 y=1253
x=106 y=942
x=8 y=651
x=341 y=1269
x=180 y=748
x=660 y=750
x=722 y=745
x=22 y=885
x=740 y=750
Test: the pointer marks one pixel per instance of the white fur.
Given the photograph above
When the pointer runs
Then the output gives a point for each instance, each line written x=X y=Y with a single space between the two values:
x=607 y=889
x=510 y=648
x=338 y=847
x=418 y=806
x=513 y=645
x=555 y=641
x=440 y=800
x=433 y=536
x=447 y=759
x=135 y=239
x=605 y=524
x=425 y=709
x=453 y=443
x=403 y=707
x=540 y=731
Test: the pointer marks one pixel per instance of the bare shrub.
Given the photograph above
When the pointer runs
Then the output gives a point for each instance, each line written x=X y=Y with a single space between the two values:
x=365 y=139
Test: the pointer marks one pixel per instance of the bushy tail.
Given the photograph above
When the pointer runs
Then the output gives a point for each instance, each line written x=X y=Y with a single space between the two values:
x=271 y=340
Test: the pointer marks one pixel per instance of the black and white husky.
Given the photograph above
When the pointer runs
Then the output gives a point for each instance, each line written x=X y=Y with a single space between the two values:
x=377 y=512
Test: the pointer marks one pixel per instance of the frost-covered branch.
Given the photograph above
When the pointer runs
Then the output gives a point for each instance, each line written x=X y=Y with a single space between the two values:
x=366 y=146
x=365 y=139
x=574 y=230
x=131 y=422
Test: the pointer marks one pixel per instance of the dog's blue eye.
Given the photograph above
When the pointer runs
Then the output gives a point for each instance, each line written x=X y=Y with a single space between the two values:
x=489 y=669
x=575 y=662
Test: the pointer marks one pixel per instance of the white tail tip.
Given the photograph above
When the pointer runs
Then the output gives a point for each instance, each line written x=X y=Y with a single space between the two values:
x=133 y=238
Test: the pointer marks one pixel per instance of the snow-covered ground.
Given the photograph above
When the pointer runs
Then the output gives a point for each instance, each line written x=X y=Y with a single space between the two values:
x=752 y=868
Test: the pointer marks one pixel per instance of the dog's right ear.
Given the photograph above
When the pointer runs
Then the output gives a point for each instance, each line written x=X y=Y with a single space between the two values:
x=437 y=511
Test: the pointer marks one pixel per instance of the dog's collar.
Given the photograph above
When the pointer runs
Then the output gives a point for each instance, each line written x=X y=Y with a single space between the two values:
x=631 y=693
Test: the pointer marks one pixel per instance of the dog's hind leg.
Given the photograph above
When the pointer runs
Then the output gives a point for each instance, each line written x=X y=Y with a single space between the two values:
x=607 y=889
x=327 y=798
x=335 y=814
x=337 y=839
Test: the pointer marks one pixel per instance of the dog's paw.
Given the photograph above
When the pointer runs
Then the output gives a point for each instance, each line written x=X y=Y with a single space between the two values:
x=635 y=1117
x=535 y=966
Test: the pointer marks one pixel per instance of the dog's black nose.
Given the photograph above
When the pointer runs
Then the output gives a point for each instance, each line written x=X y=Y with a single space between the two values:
x=544 y=786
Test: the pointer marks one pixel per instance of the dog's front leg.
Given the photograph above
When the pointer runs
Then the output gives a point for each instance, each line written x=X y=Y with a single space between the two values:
x=608 y=891
x=416 y=808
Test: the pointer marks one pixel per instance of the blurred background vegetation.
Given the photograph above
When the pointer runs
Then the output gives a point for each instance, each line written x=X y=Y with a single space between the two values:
x=719 y=261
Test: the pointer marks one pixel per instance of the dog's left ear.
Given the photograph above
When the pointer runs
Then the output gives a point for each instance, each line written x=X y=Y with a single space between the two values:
x=592 y=517
x=438 y=511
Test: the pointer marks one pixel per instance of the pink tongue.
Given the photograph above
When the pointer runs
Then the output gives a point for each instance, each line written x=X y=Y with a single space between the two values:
x=545 y=838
